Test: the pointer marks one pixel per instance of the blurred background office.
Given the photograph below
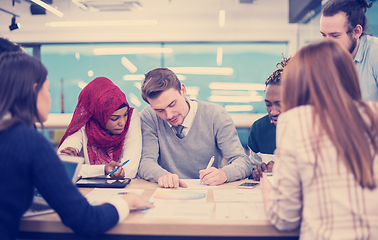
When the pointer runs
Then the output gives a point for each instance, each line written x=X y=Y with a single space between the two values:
x=222 y=50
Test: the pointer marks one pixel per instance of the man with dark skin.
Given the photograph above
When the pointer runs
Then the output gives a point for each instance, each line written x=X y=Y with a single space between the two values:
x=262 y=136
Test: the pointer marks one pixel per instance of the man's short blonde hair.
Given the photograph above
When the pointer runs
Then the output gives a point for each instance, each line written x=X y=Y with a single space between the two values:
x=157 y=81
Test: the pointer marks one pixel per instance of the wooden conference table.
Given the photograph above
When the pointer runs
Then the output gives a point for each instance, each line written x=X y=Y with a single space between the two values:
x=135 y=226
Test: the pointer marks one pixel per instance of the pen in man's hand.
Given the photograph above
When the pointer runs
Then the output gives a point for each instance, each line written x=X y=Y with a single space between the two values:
x=210 y=162
x=115 y=169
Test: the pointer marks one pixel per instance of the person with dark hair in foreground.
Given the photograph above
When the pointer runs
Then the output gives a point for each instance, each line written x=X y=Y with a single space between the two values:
x=8 y=46
x=29 y=160
x=326 y=161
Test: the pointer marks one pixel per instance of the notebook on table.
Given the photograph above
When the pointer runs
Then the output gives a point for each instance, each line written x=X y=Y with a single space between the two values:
x=39 y=205
x=102 y=182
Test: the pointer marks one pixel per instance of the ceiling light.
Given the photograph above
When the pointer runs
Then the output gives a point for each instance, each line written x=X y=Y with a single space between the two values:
x=129 y=65
x=138 y=77
x=138 y=85
x=237 y=86
x=231 y=92
x=14 y=25
x=48 y=7
x=238 y=99
x=80 y=5
x=192 y=91
x=108 y=5
x=222 y=18
x=130 y=50
x=238 y=108
x=136 y=6
x=102 y=23
x=203 y=70
x=82 y=84
x=134 y=100
x=219 y=56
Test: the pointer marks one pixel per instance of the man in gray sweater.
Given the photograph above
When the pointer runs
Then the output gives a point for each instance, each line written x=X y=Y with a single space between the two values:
x=180 y=136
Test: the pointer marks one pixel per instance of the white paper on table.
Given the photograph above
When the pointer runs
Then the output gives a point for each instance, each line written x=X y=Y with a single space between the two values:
x=266 y=158
x=240 y=211
x=196 y=184
x=271 y=180
x=178 y=195
x=100 y=195
x=180 y=210
x=237 y=195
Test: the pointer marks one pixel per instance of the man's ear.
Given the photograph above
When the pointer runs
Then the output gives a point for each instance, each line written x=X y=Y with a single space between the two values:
x=34 y=86
x=183 y=90
x=357 y=31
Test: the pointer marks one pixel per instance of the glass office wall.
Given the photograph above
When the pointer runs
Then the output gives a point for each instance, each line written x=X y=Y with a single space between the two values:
x=229 y=74
x=232 y=74
x=372 y=15
x=29 y=50
x=71 y=67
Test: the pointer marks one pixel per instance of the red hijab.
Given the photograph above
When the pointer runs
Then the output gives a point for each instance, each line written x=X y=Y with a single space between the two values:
x=97 y=102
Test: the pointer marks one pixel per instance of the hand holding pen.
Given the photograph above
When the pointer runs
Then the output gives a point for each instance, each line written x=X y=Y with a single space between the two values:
x=212 y=176
x=115 y=170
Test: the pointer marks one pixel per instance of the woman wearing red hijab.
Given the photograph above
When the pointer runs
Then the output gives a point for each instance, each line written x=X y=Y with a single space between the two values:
x=105 y=130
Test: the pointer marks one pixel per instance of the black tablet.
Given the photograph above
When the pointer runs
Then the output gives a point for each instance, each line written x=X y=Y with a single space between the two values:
x=101 y=182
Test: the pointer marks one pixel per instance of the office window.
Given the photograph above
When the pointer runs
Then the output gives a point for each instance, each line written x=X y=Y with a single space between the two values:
x=229 y=74
x=71 y=67
x=29 y=50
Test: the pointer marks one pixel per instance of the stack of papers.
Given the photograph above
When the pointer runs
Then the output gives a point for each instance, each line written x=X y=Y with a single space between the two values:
x=191 y=202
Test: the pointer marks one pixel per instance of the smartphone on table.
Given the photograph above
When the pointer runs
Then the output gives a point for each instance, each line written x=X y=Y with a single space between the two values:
x=248 y=185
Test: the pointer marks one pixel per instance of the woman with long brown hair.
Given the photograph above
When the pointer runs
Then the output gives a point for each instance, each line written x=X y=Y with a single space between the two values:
x=29 y=161
x=327 y=149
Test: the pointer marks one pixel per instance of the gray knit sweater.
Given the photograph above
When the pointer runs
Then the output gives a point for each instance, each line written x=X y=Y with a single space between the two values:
x=212 y=134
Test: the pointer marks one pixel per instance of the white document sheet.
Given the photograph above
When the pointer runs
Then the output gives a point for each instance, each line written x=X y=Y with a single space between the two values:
x=196 y=184
x=183 y=210
x=178 y=195
x=100 y=195
x=237 y=195
x=240 y=211
x=271 y=180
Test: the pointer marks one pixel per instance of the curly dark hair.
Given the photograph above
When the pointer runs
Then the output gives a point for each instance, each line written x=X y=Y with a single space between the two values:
x=275 y=77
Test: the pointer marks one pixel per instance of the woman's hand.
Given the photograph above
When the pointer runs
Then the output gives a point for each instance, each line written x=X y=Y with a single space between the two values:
x=69 y=151
x=117 y=175
x=137 y=202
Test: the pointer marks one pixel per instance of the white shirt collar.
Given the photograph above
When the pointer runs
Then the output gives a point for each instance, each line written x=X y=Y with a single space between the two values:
x=188 y=120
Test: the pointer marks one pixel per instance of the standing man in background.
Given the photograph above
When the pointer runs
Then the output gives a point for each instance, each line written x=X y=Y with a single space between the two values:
x=180 y=136
x=345 y=22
